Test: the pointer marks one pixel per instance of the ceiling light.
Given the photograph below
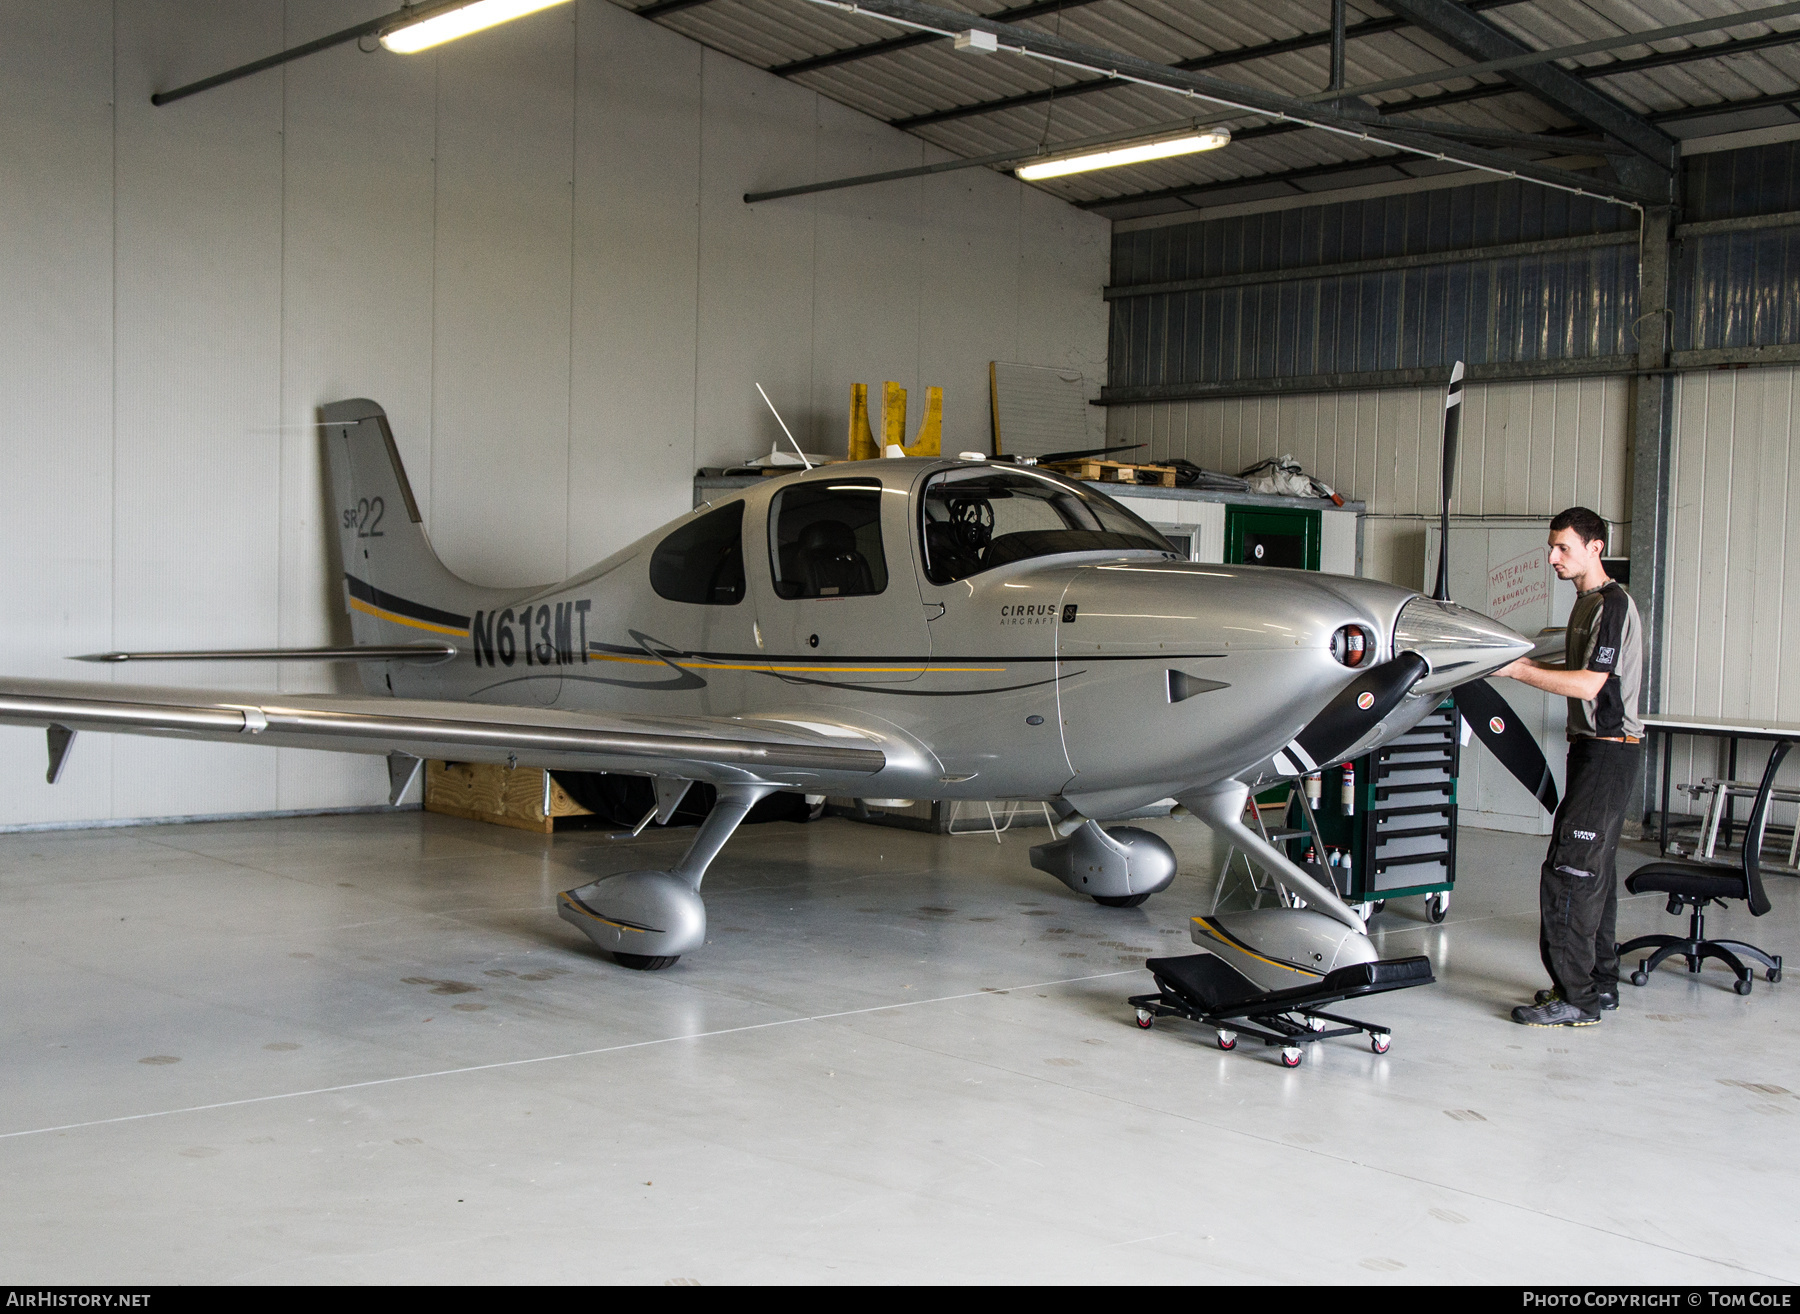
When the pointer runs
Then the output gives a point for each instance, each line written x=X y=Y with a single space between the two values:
x=1133 y=153
x=443 y=23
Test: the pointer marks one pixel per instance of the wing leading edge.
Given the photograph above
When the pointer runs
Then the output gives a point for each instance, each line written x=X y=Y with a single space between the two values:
x=720 y=750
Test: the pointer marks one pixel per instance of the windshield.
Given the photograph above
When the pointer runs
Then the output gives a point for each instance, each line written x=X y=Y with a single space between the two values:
x=977 y=519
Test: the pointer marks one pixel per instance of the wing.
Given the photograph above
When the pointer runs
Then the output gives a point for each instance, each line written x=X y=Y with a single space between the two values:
x=720 y=750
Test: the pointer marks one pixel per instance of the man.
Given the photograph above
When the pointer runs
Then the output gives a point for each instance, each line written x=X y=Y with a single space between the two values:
x=1603 y=663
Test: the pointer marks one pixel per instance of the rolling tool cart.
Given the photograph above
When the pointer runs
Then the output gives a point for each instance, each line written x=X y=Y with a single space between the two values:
x=1396 y=821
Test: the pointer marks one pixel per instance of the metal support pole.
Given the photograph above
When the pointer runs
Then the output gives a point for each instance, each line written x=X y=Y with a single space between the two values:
x=370 y=28
x=1652 y=441
x=1337 y=46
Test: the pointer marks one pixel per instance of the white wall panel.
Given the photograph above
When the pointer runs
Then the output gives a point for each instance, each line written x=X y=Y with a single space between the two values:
x=55 y=380
x=970 y=313
x=356 y=321
x=637 y=235
x=1062 y=316
x=1733 y=588
x=756 y=261
x=197 y=382
x=505 y=185
x=531 y=248
x=867 y=278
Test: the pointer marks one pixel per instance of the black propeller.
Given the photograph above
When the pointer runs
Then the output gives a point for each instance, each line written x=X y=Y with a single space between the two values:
x=1358 y=709
x=1478 y=702
x=1452 y=427
x=1495 y=723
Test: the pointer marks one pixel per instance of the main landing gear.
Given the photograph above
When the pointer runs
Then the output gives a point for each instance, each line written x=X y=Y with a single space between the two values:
x=647 y=919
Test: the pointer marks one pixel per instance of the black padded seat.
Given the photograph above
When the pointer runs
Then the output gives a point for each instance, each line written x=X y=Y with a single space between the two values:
x=1693 y=886
x=1206 y=979
x=1686 y=880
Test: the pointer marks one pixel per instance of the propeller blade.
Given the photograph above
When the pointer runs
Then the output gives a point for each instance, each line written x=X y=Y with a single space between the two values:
x=1357 y=710
x=1452 y=426
x=1492 y=718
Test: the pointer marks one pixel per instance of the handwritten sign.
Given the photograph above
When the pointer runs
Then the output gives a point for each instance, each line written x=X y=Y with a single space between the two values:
x=1517 y=584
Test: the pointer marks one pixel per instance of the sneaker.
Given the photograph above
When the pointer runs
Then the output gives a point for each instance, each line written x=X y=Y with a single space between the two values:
x=1609 y=999
x=1556 y=1013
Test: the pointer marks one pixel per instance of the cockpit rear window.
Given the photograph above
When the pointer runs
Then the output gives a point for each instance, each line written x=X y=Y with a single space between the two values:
x=977 y=519
x=703 y=561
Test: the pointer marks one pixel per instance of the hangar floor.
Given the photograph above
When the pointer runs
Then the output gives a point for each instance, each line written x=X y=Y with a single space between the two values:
x=363 y=1049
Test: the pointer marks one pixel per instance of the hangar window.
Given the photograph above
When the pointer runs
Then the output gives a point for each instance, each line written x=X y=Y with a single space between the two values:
x=703 y=561
x=825 y=539
x=977 y=519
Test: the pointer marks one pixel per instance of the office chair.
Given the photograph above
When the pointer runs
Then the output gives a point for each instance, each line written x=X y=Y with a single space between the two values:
x=1695 y=885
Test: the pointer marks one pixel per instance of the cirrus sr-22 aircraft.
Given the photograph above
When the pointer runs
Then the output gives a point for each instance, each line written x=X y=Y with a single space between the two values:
x=888 y=629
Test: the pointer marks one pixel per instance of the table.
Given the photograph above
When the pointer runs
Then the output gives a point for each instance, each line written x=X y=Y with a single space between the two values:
x=1733 y=729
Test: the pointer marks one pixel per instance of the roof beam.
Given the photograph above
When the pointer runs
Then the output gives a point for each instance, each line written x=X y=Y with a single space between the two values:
x=850 y=54
x=1188 y=192
x=1481 y=91
x=1479 y=39
x=1199 y=63
x=1352 y=120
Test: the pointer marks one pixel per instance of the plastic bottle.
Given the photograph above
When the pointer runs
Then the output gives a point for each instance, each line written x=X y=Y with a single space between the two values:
x=1344 y=869
x=1348 y=806
x=1315 y=787
x=1332 y=861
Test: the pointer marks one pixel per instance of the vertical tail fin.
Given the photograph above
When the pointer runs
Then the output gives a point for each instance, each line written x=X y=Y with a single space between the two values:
x=396 y=589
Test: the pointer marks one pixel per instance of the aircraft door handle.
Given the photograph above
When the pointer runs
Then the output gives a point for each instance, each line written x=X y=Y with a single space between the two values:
x=933 y=611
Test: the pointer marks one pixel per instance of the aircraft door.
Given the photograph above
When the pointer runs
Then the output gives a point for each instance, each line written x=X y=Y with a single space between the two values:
x=845 y=611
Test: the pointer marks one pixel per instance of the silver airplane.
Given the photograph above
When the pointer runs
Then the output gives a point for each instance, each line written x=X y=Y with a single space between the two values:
x=882 y=630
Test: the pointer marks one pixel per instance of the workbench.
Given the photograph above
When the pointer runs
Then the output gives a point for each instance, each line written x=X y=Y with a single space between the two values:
x=1668 y=725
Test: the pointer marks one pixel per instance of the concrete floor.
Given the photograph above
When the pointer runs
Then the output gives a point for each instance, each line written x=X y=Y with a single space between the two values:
x=364 y=1049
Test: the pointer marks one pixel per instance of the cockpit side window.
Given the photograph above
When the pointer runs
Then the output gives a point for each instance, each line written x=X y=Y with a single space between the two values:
x=703 y=561
x=977 y=519
x=825 y=540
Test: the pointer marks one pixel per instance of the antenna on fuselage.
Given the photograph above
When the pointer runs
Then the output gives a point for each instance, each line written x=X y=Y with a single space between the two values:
x=784 y=428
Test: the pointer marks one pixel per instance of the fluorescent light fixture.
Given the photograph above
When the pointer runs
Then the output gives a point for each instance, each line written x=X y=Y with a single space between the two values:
x=1131 y=153
x=446 y=23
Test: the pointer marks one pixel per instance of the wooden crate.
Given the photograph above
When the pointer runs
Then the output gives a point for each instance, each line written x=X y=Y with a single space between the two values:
x=1093 y=470
x=479 y=792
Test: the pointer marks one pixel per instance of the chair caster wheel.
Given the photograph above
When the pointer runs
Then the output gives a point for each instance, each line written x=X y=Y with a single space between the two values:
x=1774 y=975
x=1380 y=1041
x=1290 y=1057
x=1145 y=1017
x=1741 y=986
x=1640 y=977
x=1228 y=1040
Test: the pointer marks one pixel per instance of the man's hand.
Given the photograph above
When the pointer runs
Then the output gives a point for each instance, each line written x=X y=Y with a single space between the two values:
x=1553 y=680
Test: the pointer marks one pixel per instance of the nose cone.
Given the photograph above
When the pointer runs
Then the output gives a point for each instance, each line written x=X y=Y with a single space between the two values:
x=1458 y=644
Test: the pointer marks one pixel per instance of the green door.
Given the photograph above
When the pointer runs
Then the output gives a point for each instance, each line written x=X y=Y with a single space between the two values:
x=1272 y=536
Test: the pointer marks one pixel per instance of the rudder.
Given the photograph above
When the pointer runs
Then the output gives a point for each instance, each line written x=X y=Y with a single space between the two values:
x=396 y=589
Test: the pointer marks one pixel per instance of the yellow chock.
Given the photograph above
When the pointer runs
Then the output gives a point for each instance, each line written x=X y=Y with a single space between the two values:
x=930 y=441
x=862 y=441
x=893 y=416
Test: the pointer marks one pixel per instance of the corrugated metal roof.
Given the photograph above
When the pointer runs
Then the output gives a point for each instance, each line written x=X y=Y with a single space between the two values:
x=1754 y=61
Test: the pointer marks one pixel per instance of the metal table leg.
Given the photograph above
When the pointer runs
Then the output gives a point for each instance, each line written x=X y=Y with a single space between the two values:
x=1668 y=747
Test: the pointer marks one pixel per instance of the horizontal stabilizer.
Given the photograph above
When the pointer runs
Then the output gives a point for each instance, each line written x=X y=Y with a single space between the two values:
x=367 y=653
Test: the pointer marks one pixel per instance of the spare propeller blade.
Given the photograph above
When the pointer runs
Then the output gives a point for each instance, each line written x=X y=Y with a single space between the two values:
x=1492 y=718
x=1357 y=709
x=1452 y=426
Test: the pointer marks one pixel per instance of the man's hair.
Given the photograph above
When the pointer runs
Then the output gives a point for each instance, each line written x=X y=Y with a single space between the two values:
x=1583 y=522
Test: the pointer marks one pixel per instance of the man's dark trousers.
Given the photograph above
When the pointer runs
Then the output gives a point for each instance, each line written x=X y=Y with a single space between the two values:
x=1578 y=890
